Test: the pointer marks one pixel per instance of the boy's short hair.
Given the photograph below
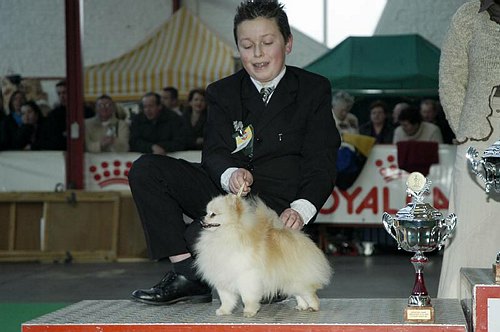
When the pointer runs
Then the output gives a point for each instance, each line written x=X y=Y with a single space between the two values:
x=271 y=9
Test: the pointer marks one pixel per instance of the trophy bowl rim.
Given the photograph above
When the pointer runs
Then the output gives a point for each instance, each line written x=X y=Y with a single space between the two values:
x=418 y=223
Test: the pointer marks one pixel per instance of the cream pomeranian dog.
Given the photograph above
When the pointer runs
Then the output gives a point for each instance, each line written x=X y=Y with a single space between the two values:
x=246 y=251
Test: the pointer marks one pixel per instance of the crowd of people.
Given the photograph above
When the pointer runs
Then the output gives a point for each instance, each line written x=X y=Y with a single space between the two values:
x=422 y=122
x=163 y=124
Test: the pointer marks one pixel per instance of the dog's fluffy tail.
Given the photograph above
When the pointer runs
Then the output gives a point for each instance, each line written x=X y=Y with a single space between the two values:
x=292 y=251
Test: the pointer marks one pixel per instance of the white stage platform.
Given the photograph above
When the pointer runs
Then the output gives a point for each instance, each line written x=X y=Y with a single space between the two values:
x=336 y=315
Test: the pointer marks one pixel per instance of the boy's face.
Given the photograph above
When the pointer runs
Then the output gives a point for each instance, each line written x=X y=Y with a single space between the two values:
x=262 y=48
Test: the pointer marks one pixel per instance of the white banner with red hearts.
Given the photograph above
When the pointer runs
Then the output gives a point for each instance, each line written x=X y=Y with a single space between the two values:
x=379 y=188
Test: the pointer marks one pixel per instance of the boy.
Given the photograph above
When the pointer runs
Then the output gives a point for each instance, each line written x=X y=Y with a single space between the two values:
x=269 y=130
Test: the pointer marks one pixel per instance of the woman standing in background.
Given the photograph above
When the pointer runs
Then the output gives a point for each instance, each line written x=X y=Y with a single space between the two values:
x=469 y=84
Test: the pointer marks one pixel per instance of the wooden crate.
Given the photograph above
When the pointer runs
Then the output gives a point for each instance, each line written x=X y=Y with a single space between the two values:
x=50 y=226
x=131 y=242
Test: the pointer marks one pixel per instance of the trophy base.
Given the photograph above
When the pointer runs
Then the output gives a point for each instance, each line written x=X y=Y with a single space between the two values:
x=496 y=273
x=423 y=314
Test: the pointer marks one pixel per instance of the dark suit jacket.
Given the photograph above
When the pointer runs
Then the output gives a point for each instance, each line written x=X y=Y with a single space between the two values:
x=168 y=131
x=385 y=136
x=295 y=137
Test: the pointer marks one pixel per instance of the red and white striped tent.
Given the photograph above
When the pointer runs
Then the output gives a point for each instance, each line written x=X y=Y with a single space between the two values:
x=182 y=53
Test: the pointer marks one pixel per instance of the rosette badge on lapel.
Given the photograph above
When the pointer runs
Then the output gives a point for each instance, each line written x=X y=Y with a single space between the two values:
x=243 y=138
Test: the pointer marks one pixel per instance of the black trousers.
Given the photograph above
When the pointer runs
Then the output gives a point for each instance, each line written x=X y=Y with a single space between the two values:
x=165 y=188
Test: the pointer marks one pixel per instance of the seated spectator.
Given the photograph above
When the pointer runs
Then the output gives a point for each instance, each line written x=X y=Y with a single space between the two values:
x=17 y=99
x=170 y=99
x=195 y=117
x=122 y=113
x=155 y=129
x=431 y=111
x=412 y=128
x=396 y=111
x=13 y=121
x=32 y=87
x=56 y=119
x=105 y=132
x=378 y=126
x=346 y=122
x=33 y=133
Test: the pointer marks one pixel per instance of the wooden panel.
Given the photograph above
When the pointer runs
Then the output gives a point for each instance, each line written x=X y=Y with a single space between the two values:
x=27 y=229
x=4 y=225
x=82 y=226
x=76 y=225
x=131 y=241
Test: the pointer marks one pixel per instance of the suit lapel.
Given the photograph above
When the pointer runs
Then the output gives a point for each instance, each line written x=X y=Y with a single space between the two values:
x=253 y=110
x=284 y=95
x=251 y=101
x=234 y=102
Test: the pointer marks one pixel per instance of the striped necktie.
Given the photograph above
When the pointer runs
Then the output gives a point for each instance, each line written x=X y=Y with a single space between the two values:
x=266 y=93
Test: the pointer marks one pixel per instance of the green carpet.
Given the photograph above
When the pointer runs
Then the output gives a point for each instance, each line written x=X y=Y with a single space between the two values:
x=12 y=315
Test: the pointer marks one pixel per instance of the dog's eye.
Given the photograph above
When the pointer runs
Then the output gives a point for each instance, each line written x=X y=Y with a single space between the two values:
x=211 y=215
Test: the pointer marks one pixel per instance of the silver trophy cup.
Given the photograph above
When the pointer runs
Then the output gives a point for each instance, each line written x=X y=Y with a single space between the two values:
x=419 y=228
x=487 y=168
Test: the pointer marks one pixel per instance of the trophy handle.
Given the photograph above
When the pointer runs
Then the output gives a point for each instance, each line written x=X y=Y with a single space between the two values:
x=474 y=162
x=388 y=222
x=450 y=223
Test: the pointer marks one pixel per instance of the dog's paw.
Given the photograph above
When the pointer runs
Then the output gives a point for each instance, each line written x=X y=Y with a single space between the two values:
x=310 y=309
x=222 y=312
x=250 y=308
x=307 y=302
x=301 y=308
x=249 y=313
x=301 y=303
x=313 y=308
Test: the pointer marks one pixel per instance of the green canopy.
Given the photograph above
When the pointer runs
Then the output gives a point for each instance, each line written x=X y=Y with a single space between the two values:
x=389 y=65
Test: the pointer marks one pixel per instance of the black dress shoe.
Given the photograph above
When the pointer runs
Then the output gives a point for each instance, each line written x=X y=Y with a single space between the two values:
x=174 y=288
